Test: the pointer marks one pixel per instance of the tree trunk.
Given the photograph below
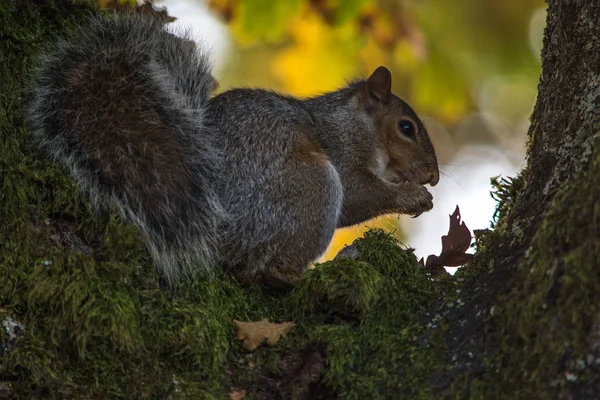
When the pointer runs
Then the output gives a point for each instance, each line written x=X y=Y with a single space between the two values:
x=84 y=316
x=530 y=324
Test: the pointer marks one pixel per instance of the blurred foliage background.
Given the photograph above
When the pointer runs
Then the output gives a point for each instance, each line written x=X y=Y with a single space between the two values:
x=468 y=67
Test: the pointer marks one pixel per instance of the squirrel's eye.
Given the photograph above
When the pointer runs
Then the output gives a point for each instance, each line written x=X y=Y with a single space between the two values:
x=407 y=128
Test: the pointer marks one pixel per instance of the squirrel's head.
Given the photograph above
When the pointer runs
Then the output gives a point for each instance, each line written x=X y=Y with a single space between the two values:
x=404 y=151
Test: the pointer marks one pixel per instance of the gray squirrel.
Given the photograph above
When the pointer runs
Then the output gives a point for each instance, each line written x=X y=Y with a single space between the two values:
x=249 y=179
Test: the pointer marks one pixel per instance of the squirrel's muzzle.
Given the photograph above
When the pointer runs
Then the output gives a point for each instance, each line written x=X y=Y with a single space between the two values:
x=434 y=177
x=428 y=175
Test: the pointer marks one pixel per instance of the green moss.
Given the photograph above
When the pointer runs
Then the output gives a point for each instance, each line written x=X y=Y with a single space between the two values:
x=542 y=316
x=97 y=323
x=505 y=193
x=480 y=263
x=384 y=351
x=345 y=287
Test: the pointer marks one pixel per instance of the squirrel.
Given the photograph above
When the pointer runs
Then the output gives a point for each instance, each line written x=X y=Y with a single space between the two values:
x=249 y=179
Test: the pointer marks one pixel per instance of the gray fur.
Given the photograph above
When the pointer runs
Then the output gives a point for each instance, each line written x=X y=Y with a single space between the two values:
x=175 y=81
x=249 y=179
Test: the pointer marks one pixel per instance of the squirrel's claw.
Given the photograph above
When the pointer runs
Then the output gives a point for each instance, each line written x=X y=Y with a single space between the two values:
x=417 y=214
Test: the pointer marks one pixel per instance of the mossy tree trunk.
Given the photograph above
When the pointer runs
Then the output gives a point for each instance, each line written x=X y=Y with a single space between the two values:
x=530 y=323
x=522 y=320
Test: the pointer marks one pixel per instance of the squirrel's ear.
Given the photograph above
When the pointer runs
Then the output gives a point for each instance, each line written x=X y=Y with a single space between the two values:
x=379 y=84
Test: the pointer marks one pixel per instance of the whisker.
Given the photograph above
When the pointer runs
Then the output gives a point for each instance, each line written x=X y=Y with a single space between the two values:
x=458 y=165
x=449 y=176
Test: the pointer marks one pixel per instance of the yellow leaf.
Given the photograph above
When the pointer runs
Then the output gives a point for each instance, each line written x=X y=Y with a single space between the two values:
x=373 y=55
x=405 y=57
x=346 y=236
x=321 y=58
x=255 y=333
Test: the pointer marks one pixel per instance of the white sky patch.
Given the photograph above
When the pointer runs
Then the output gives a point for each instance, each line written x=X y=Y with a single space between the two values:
x=467 y=185
x=206 y=29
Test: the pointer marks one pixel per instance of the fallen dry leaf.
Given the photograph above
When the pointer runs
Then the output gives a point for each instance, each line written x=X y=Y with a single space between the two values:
x=255 y=333
x=237 y=394
x=454 y=246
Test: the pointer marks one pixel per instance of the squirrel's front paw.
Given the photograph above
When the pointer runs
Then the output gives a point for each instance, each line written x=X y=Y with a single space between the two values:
x=414 y=199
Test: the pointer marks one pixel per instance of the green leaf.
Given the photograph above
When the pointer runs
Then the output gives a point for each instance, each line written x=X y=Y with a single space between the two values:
x=347 y=10
x=263 y=19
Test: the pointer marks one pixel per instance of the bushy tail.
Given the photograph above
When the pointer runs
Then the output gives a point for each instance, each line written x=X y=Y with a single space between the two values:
x=120 y=103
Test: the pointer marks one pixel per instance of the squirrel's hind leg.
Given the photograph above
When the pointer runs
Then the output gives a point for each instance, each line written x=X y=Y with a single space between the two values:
x=312 y=206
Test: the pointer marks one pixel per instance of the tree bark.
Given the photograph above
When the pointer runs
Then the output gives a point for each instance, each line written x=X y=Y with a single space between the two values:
x=530 y=324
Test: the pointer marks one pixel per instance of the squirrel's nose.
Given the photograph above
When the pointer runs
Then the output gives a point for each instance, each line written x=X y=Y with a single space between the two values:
x=429 y=176
x=434 y=177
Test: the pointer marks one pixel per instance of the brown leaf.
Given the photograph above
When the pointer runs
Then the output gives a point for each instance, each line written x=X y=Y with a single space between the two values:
x=454 y=246
x=149 y=9
x=160 y=13
x=255 y=333
x=237 y=394
x=114 y=5
x=223 y=8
